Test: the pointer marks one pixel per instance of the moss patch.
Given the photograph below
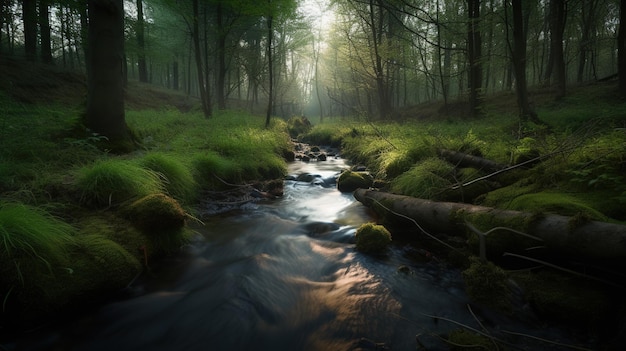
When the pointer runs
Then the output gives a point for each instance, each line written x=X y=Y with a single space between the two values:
x=161 y=219
x=487 y=284
x=428 y=180
x=349 y=181
x=372 y=238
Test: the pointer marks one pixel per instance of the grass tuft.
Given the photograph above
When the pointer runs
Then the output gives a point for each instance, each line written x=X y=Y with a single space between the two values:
x=113 y=181
x=179 y=180
x=31 y=237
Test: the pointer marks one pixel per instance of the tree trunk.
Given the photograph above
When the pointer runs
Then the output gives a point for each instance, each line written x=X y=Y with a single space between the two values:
x=141 y=44
x=105 y=80
x=518 y=57
x=206 y=104
x=589 y=241
x=621 y=49
x=221 y=58
x=29 y=15
x=44 y=28
x=270 y=63
x=557 y=27
x=474 y=55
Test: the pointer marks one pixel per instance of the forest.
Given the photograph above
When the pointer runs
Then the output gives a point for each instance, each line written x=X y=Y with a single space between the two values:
x=122 y=121
x=376 y=58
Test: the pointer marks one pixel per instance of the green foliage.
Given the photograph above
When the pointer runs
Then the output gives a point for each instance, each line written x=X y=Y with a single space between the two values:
x=28 y=233
x=372 y=238
x=209 y=166
x=177 y=176
x=427 y=180
x=112 y=181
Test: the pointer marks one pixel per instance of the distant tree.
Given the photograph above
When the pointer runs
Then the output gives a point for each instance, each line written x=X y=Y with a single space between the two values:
x=556 y=61
x=29 y=17
x=141 y=44
x=202 y=86
x=474 y=48
x=621 y=48
x=105 y=70
x=518 y=57
x=44 y=29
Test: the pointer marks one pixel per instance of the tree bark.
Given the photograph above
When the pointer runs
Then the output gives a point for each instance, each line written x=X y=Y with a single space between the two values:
x=221 y=57
x=105 y=80
x=593 y=240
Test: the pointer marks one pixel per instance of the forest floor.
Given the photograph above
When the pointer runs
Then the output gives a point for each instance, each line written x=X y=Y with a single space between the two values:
x=47 y=172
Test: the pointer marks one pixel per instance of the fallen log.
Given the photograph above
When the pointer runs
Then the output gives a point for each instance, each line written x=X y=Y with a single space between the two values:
x=461 y=159
x=574 y=237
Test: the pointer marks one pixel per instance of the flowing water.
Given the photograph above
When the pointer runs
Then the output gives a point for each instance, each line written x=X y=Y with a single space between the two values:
x=284 y=275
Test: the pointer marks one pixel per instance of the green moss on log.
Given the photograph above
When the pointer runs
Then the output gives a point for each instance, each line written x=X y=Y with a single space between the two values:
x=349 y=181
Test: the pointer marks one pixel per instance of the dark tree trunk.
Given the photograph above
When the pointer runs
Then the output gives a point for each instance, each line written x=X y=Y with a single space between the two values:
x=29 y=14
x=519 y=63
x=105 y=62
x=557 y=60
x=474 y=45
x=141 y=44
x=206 y=103
x=44 y=28
x=621 y=49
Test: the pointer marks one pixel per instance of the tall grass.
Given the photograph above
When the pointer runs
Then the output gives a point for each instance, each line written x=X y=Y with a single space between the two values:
x=177 y=176
x=31 y=237
x=112 y=181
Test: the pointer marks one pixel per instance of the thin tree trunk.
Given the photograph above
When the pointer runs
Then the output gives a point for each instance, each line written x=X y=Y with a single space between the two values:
x=44 y=28
x=206 y=104
x=270 y=62
x=221 y=58
x=141 y=44
x=474 y=55
x=621 y=49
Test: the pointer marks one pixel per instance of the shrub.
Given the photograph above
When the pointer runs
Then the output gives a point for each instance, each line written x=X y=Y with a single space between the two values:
x=372 y=238
x=113 y=181
x=298 y=125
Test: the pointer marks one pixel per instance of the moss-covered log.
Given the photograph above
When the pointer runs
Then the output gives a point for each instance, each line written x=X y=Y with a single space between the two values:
x=570 y=236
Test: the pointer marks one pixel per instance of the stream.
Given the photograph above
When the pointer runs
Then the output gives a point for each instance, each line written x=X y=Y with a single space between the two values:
x=284 y=274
